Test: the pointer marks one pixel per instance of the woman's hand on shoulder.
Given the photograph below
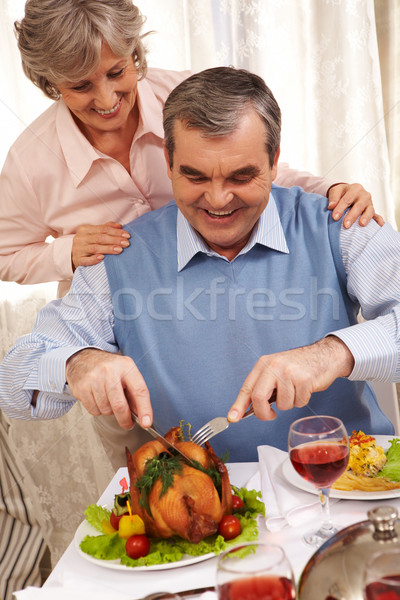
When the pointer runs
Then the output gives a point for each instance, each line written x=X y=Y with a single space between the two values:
x=343 y=195
x=92 y=242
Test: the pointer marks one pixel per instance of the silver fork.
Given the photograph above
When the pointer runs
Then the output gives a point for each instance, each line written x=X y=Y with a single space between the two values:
x=219 y=424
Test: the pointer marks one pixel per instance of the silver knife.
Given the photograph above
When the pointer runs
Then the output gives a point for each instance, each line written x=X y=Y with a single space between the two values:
x=163 y=441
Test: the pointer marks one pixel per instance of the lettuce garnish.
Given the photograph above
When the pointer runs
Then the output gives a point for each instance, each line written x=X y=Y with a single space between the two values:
x=96 y=514
x=252 y=504
x=111 y=547
x=391 y=470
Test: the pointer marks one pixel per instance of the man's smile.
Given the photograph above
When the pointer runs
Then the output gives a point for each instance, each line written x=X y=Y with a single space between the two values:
x=220 y=213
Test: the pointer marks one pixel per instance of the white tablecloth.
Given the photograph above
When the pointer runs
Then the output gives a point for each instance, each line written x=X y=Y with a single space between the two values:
x=80 y=578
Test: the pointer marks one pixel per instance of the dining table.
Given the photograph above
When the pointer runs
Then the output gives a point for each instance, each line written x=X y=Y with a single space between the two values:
x=76 y=571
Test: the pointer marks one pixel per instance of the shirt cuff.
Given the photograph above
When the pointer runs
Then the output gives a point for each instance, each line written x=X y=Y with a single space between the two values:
x=50 y=375
x=52 y=406
x=62 y=249
x=54 y=398
x=375 y=353
x=325 y=184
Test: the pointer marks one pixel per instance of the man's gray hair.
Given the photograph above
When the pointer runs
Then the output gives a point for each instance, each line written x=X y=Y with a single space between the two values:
x=60 y=41
x=214 y=101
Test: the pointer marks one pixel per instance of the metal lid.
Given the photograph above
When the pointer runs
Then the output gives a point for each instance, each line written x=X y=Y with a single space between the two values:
x=335 y=571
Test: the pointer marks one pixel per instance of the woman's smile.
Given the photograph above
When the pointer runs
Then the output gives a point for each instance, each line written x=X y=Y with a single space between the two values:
x=111 y=112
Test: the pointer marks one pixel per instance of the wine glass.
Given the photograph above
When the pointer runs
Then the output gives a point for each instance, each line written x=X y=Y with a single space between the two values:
x=255 y=570
x=382 y=576
x=319 y=452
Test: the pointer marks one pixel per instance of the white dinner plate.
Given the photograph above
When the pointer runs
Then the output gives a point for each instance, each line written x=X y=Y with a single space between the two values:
x=85 y=529
x=294 y=478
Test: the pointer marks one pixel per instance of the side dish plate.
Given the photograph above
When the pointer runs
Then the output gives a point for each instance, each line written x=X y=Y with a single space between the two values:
x=295 y=479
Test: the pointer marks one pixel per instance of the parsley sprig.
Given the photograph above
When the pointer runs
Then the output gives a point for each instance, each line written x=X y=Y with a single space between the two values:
x=162 y=467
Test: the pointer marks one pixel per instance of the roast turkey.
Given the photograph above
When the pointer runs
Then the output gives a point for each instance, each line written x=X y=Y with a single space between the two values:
x=188 y=504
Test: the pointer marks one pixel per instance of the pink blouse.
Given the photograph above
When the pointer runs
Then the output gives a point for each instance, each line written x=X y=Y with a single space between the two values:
x=53 y=181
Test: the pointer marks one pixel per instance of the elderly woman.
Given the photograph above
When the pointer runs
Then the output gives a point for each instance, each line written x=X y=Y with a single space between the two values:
x=94 y=159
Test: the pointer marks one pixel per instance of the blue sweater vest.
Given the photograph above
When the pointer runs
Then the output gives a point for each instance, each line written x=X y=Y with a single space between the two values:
x=195 y=335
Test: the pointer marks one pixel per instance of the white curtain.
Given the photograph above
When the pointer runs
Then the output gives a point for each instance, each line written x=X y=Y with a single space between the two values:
x=388 y=29
x=320 y=59
x=20 y=101
x=333 y=67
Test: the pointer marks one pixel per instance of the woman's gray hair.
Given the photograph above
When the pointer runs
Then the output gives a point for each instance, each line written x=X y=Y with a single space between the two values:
x=60 y=40
x=214 y=101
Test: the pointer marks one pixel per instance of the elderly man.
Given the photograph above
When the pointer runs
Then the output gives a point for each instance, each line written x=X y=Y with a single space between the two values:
x=236 y=289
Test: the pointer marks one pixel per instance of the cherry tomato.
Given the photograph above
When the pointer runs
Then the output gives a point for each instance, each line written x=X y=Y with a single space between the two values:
x=237 y=502
x=115 y=519
x=137 y=546
x=229 y=527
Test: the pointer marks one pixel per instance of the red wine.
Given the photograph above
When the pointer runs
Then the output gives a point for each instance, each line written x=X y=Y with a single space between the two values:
x=320 y=463
x=379 y=590
x=262 y=587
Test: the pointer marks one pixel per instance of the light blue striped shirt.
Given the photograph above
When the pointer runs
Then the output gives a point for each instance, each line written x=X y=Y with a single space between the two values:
x=84 y=318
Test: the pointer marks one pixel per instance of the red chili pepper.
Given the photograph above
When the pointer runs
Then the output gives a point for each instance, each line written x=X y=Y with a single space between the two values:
x=360 y=438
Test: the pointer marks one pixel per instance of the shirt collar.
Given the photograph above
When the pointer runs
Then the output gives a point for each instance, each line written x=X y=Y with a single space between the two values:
x=80 y=154
x=150 y=111
x=267 y=232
